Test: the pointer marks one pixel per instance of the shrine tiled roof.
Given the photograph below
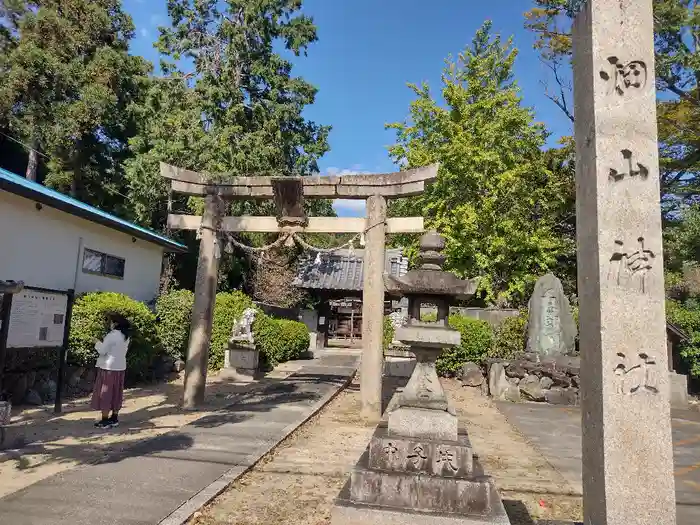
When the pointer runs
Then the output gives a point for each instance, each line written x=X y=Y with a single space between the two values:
x=342 y=270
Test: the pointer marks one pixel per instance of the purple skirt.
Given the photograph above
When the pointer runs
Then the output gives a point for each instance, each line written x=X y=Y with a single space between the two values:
x=108 y=391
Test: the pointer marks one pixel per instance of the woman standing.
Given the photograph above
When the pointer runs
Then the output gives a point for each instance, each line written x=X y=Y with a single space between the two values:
x=108 y=391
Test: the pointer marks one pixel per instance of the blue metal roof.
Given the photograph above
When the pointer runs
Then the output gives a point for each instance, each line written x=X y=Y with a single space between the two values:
x=38 y=193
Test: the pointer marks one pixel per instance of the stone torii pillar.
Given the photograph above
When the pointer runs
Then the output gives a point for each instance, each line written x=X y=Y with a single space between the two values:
x=372 y=365
x=626 y=423
x=288 y=194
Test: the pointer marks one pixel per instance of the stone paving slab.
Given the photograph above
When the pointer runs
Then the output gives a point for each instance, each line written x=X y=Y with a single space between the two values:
x=556 y=432
x=166 y=479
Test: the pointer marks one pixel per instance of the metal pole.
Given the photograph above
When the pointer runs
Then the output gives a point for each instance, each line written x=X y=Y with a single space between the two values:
x=58 y=407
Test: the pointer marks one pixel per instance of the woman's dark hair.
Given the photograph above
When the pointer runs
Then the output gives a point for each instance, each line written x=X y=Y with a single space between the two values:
x=121 y=323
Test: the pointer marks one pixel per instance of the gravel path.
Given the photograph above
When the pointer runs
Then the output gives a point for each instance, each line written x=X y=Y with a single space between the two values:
x=296 y=485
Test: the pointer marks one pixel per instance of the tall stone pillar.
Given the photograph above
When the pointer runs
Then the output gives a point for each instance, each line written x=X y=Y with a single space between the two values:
x=627 y=449
x=373 y=309
x=203 y=307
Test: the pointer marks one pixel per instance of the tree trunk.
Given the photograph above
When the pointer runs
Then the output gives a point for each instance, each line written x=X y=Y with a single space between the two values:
x=33 y=162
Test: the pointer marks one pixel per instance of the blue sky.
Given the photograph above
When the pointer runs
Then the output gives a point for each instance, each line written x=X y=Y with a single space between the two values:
x=366 y=53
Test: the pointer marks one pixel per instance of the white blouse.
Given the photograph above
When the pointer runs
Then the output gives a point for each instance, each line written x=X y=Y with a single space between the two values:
x=112 y=351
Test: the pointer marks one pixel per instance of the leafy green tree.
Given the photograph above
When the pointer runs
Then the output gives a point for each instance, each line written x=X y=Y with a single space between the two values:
x=234 y=106
x=682 y=239
x=66 y=84
x=500 y=202
x=677 y=31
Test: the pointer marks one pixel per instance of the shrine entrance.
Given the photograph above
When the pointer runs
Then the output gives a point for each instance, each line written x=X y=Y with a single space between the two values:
x=288 y=194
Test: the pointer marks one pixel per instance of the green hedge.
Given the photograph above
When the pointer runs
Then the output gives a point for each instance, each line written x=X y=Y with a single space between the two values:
x=174 y=313
x=477 y=340
x=388 y=333
x=687 y=318
x=295 y=339
x=89 y=322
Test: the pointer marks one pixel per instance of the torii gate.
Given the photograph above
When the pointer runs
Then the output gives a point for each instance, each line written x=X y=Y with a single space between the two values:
x=288 y=193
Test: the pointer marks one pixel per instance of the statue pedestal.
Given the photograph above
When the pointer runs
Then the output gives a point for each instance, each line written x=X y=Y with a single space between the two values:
x=419 y=466
x=404 y=481
x=241 y=361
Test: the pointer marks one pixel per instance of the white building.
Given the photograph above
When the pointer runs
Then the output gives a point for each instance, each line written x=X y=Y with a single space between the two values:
x=49 y=240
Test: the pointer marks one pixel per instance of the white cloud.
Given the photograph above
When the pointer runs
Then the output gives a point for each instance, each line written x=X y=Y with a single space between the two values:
x=349 y=207
x=144 y=32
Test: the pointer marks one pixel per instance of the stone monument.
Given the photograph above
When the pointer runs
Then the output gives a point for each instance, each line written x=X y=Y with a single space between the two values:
x=551 y=329
x=419 y=466
x=241 y=359
x=626 y=423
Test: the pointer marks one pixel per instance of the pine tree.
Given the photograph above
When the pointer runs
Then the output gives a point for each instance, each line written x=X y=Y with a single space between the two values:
x=66 y=84
x=235 y=107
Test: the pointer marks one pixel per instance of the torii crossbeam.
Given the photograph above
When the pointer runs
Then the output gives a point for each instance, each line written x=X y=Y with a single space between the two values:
x=288 y=194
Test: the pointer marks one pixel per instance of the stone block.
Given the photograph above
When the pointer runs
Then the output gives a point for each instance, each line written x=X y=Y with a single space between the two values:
x=516 y=370
x=33 y=398
x=498 y=383
x=471 y=374
x=411 y=492
x=348 y=513
x=398 y=350
x=428 y=336
x=569 y=365
x=512 y=394
x=243 y=358
x=562 y=396
x=530 y=389
x=561 y=379
x=546 y=383
x=399 y=366
x=421 y=456
x=423 y=423
x=679 y=390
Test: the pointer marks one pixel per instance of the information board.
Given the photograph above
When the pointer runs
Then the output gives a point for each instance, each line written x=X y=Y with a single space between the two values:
x=37 y=319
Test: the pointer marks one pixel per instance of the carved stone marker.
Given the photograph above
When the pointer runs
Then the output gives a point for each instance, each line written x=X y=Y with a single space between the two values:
x=627 y=450
x=551 y=329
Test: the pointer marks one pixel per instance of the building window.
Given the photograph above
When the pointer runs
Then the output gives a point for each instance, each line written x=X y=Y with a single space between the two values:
x=103 y=264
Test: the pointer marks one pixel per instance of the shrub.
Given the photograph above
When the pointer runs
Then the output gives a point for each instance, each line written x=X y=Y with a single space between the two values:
x=228 y=309
x=509 y=338
x=295 y=339
x=687 y=317
x=477 y=338
x=268 y=339
x=174 y=313
x=89 y=322
x=388 y=333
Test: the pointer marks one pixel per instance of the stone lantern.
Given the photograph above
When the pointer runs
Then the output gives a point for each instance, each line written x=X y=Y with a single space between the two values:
x=420 y=466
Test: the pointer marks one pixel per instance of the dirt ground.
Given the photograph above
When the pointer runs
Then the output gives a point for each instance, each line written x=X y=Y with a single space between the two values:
x=41 y=443
x=296 y=485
